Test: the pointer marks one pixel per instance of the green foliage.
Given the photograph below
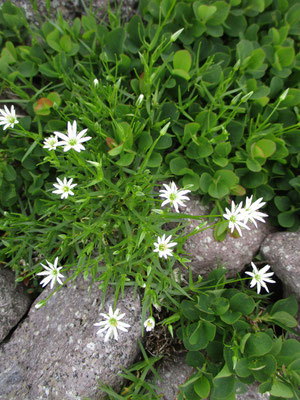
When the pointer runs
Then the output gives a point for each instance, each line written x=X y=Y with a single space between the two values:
x=230 y=342
x=214 y=114
x=236 y=48
x=221 y=142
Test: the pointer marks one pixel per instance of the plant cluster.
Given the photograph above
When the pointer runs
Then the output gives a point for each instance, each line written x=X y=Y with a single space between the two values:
x=204 y=94
x=232 y=342
x=232 y=339
x=224 y=145
x=218 y=82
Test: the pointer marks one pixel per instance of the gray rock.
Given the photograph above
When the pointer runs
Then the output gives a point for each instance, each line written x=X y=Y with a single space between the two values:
x=172 y=374
x=129 y=8
x=70 y=9
x=233 y=253
x=56 y=352
x=253 y=394
x=14 y=302
x=282 y=251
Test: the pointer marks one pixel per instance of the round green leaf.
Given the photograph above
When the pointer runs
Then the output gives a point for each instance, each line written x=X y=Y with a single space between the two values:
x=205 y=181
x=200 y=150
x=280 y=389
x=282 y=203
x=125 y=160
x=286 y=219
x=191 y=179
x=252 y=180
x=284 y=319
x=218 y=189
x=181 y=73
x=243 y=303
x=202 y=387
x=189 y=310
x=230 y=317
x=258 y=344
x=289 y=305
x=242 y=369
x=223 y=387
x=267 y=146
x=253 y=165
x=182 y=60
x=220 y=305
x=155 y=160
x=285 y=56
x=179 y=166
x=195 y=359
x=9 y=173
x=28 y=69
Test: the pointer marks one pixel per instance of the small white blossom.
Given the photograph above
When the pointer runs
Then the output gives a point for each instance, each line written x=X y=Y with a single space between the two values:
x=96 y=82
x=72 y=140
x=173 y=196
x=52 y=274
x=139 y=100
x=163 y=246
x=250 y=210
x=50 y=143
x=64 y=187
x=236 y=217
x=149 y=324
x=260 y=277
x=112 y=323
x=8 y=118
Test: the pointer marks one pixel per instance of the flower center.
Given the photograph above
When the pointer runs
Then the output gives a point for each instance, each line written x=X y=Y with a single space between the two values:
x=113 y=322
x=233 y=218
x=54 y=272
x=66 y=189
x=11 y=119
x=173 y=196
x=162 y=247
x=72 y=142
x=257 y=278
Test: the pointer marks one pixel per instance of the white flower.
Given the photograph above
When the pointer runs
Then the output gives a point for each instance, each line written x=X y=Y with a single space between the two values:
x=173 y=195
x=8 y=118
x=96 y=82
x=259 y=277
x=72 y=140
x=236 y=217
x=139 y=100
x=163 y=246
x=64 y=187
x=149 y=324
x=50 y=143
x=112 y=323
x=250 y=210
x=52 y=274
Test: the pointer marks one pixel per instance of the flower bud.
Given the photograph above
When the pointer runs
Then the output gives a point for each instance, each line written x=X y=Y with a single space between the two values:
x=284 y=94
x=40 y=304
x=139 y=100
x=247 y=96
x=163 y=130
x=175 y=35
